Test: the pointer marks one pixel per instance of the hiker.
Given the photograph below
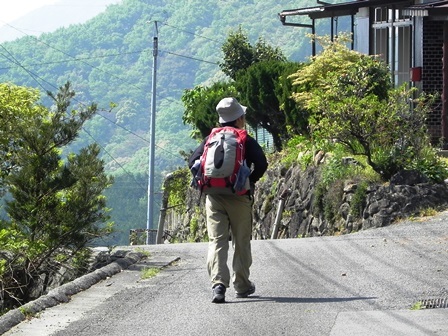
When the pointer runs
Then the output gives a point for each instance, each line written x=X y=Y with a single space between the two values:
x=229 y=210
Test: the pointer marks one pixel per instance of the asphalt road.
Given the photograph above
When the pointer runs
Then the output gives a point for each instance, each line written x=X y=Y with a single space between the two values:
x=360 y=284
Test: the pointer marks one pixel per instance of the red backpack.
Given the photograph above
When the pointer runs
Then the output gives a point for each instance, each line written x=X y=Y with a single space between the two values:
x=223 y=169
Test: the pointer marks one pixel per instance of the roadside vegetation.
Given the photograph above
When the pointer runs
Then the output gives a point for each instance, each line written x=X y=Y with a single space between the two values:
x=341 y=104
x=54 y=202
x=109 y=59
x=149 y=272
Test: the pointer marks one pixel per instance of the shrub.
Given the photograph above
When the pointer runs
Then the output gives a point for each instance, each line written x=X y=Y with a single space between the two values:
x=352 y=102
x=56 y=206
x=359 y=198
x=334 y=174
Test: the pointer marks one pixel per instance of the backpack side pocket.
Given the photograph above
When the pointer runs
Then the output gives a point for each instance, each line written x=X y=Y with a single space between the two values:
x=241 y=178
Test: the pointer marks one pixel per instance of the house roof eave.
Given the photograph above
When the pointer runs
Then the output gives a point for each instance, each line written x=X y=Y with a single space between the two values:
x=334 y=10
x=431 y=9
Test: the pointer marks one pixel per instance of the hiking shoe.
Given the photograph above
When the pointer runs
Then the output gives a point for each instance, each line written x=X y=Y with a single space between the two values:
x=245 y=294
x=219 y=293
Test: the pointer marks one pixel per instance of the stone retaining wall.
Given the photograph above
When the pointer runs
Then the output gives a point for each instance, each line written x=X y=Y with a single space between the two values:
x=383 y=204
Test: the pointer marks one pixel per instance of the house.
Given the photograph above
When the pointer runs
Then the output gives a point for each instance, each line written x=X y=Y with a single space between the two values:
x=411 y=36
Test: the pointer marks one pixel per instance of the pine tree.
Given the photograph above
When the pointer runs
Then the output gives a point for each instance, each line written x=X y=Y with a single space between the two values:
x=56 y=205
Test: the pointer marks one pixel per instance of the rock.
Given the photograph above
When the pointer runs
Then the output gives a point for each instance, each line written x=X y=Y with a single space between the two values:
x=408 y=177
x=319 y=157
x=408 y=192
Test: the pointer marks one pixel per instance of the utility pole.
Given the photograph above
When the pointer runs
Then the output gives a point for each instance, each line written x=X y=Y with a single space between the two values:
x=150 y=213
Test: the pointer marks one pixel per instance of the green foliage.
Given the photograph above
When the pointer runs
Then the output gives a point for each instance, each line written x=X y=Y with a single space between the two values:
x=128 y=212
x=320 y=191
x=431 y=165
x=337 y=85
x=109 y=59
x=256 y=71
x=261 y=81
x=67 y=196
x=351 y=100
x=17 y=107
x=418 y=306
x=335 y=173
x=299 y=149
x=142 y=251
x=195 y=234
x=333 y=200
x=266 y=96
x=296 y=116
x=239 y=54
x=27 y=312
x=56 y=205
x=137 y=237
x=81 y=261
x=179 y=187
x=194 y=227
x=149 y=272
x=328 y=193
x=353 y=73
x=200 y=107
x=358 y=199
x=428 y=212
x=334 y=170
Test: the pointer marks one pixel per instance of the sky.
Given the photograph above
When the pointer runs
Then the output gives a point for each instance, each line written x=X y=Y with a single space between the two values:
x=19 y=17
x=11 y=10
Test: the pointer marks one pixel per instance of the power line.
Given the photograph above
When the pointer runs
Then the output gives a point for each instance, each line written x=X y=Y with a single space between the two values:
x=15 y=61
x=12 y=59
x=191 y=33
x=35 y=77
x=82 y=60
x=75 y=59
x=190 y=57
x=113 y=55
x=121 y=166
x=138 y=136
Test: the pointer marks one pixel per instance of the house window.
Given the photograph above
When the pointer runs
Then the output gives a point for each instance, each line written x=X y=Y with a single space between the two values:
x=380 y=14
x=392 y=37
x=402 y=54
x=381 y=42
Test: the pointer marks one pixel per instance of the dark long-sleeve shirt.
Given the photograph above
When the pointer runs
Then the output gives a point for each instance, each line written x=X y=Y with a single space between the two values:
x=255 y=158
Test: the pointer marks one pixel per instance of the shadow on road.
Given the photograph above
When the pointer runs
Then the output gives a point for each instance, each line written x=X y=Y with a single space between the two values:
x=301 y=300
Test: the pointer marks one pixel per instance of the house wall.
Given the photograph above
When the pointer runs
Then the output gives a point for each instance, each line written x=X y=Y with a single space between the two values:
x=432 y=78
x=362 y=31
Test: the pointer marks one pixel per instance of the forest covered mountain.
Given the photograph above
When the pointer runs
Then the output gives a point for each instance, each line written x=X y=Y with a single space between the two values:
x=109 y=59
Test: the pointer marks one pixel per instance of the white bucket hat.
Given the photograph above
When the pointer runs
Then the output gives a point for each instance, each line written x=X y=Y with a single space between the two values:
x=229 y=110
